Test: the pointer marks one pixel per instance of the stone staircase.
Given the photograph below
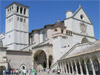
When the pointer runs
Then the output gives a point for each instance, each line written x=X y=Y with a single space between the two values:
x=55 y=64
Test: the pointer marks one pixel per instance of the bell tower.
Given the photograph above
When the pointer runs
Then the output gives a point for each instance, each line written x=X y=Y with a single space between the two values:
x=17 y=26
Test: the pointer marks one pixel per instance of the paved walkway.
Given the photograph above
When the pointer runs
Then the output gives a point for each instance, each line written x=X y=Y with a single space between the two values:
x=45 y=73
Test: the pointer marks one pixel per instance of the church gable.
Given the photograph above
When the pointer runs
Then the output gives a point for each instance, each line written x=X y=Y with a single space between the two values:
x=81 y=15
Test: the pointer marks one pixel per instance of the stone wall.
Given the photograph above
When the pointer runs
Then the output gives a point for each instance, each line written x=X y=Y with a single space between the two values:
x=18 y=58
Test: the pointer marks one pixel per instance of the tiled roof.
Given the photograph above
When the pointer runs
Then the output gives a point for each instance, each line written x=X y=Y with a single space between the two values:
x=83 y=48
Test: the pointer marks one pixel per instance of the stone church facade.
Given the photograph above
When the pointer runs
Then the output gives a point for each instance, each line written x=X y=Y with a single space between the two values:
x=46 y=47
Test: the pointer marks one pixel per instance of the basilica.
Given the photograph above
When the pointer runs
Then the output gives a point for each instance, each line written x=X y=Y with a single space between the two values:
x=68 y=45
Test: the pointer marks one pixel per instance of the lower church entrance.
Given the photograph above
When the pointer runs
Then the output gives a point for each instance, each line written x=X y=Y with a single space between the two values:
x=40 y=60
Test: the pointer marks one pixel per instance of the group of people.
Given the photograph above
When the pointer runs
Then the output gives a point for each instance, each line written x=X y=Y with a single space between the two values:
x=20 y=72
x=26 y=72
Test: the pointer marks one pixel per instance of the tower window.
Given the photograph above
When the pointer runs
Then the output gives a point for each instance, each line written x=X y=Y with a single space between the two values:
x=8 y=10
x=21 y=10
x=24 y=11
x=62 y=31
x=17 y=8
x=12 y=7
x=24 y=20
x=21 y=19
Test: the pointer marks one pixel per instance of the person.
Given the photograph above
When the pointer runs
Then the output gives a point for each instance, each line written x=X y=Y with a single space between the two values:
x=58 y=71
x=11 y=72
x=24 y=71
x=33 y=71
x=4 y=73
x=48 y=71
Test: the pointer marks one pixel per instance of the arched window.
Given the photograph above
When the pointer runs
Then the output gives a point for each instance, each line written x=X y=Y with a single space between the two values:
x=24 y=11
x=84 y=40
x=44 y=36
x=21 y=10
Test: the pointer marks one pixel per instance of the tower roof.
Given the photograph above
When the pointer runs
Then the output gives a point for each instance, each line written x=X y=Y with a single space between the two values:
x=17 y=4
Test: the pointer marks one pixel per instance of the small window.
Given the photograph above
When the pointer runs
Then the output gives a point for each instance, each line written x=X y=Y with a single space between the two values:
x=24 y=11
x=81 y=16
x=21 y=10
x=21 y=19
x=10 y=9
x=55 y=29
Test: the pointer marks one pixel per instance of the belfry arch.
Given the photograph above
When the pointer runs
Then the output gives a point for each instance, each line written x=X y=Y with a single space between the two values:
x=40 y=60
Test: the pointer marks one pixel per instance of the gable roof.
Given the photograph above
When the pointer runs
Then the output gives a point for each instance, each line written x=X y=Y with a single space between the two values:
x=80 y=7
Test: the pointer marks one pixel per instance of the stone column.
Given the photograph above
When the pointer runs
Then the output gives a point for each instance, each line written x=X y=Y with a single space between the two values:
x=66 y=67
x=92 y=66
x=58 y=65
x=47 y=62
x=72 y=67
x=23 y=11
x=62 y=67
x=76 y=67
x=80 y=67
x=87 y=72
x=98 y=60
x=19 y=10
x=69 y=68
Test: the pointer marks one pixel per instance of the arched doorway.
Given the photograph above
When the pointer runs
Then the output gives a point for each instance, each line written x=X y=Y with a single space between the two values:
x=40 y=60
x=50 y=61
x=23 y=67
x=1 y=69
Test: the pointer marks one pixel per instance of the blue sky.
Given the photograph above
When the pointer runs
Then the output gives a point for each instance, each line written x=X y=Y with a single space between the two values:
x=47 y=12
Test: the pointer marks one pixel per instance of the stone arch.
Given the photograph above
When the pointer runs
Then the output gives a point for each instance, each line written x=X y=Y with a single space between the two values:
x=40 y=60
x=89 y=66
x=96 y=65
x=50 y=60
x=22 y=66
x=67 y=67
x=1 y=69
x=84 y=40
x=74 y=67
x=70 y=67
x=83 y=65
